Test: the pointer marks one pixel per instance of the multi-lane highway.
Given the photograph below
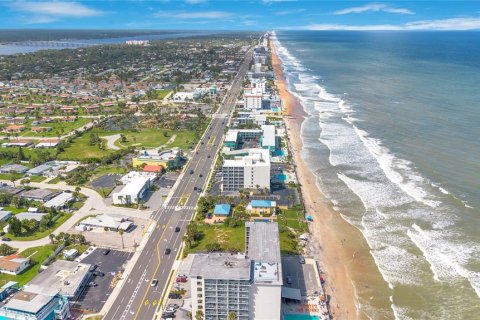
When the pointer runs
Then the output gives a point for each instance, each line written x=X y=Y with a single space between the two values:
x=137 y=298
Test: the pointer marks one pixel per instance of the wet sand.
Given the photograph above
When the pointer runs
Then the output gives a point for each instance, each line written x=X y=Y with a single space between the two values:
x=340 y=248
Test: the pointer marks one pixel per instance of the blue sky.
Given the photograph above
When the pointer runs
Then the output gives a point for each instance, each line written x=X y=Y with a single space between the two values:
x=241 y=14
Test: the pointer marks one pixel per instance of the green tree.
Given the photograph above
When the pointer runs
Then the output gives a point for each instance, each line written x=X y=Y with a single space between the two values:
x=199 y=315
x=15 y=226
x=6 y=250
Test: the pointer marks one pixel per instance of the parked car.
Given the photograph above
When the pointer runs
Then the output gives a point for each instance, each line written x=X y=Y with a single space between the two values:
x=289 y=280
x=93 y=267
x=6 y=239
x=154 y=283
x=92 y=284
x=181 y=279
x=173 y=305
x=98 y=274
x=302 y=260
x=168 y=250
x=177 y=229
x=106 y=252
x=174 y=296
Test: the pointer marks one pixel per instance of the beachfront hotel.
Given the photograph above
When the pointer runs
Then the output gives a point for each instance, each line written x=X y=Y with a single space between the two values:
x=224 y=283
x=249 y=172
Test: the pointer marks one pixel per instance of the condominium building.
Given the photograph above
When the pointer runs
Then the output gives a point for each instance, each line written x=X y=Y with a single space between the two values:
x=36 y=303
x=248 y=172
x=253 y=98
x=224 y=283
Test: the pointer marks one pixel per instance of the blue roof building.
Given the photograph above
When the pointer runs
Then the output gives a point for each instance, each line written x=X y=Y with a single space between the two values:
x=222 y=210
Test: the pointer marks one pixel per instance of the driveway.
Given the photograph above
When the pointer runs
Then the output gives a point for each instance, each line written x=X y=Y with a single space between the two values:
x=111 y=141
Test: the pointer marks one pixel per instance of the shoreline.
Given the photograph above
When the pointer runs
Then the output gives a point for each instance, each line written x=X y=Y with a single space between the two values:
x=339 y=247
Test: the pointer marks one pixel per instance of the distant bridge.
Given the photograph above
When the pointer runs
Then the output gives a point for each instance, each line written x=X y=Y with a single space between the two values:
x=61 y=44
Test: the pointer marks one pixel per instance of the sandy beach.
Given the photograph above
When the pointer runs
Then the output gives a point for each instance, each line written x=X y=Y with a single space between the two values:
x=339 y=247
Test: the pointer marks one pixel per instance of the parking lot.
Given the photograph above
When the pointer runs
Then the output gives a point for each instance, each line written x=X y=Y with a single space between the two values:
x=167 y=180
x=113 y=239
x=302 y=276
x=92 y=299
x=106 y=181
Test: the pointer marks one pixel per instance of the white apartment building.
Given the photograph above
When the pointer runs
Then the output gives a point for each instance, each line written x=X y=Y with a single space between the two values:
x=253 y=98
x=133 y=191
x=248 y=285
x=248 y=172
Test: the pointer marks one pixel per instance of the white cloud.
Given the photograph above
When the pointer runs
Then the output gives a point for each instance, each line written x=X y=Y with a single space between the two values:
x=286 y=12
x=55 y=9
x=373 y=7
x=273 y=1
x=460 y=24
x=194 y=15
x=195 y=1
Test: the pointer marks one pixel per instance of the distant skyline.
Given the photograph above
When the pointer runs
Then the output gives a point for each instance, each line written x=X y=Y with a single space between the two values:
x=242 y=15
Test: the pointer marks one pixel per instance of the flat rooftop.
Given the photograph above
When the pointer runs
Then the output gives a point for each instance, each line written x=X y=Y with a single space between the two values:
x=31 y=299
x=217 y=266
x=263 y=244
x=64 y=276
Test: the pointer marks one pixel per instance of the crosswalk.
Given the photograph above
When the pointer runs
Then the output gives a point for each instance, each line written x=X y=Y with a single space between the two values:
x=178 y=208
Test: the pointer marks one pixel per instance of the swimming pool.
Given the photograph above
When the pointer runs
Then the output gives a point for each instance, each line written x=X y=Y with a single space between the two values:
x=299 y=317
x=281 y=177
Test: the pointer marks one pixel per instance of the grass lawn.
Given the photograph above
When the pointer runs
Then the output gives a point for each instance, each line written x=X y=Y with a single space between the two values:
x=151 y=138
x=288 y=243
x=37 y=178
x=228 y=238
x=55 y=180
x=40 y=234
x=6 y=176
x=81 y=149
x=39 y=255
x=102 y=170
x=59 y=128
x=15 y=210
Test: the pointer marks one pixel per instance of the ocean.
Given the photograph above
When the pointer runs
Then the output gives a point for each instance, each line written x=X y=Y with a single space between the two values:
x=392 y=133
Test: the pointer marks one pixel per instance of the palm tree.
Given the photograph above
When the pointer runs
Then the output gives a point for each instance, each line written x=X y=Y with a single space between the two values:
x=52 y=238
x=232 y=316
x=121 y=232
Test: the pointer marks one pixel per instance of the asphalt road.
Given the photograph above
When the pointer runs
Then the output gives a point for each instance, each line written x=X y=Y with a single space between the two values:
x=138 y=299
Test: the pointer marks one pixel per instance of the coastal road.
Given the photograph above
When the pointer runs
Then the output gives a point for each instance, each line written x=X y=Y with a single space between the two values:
x=137 y=299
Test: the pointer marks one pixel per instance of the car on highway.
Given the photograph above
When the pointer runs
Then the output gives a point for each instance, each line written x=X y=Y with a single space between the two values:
x=177 y=229
x=201 y=175
x=168 y=250
x=191 y=171
x=154 y=283
x=208 y=156
x=194 y=188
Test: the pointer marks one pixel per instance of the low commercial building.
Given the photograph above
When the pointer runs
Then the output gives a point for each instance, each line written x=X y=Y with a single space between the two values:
x=60 y=201
x=261 y=207
x=171 y=159
x=42 y=195
x=30 y=216
x=16 y=168
x=67 y=277
x=132 y=192
x=36 y=303
x=5 y=215
x=103 y=221
x=248 y=172
x=222 y=283
x=13 y=264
